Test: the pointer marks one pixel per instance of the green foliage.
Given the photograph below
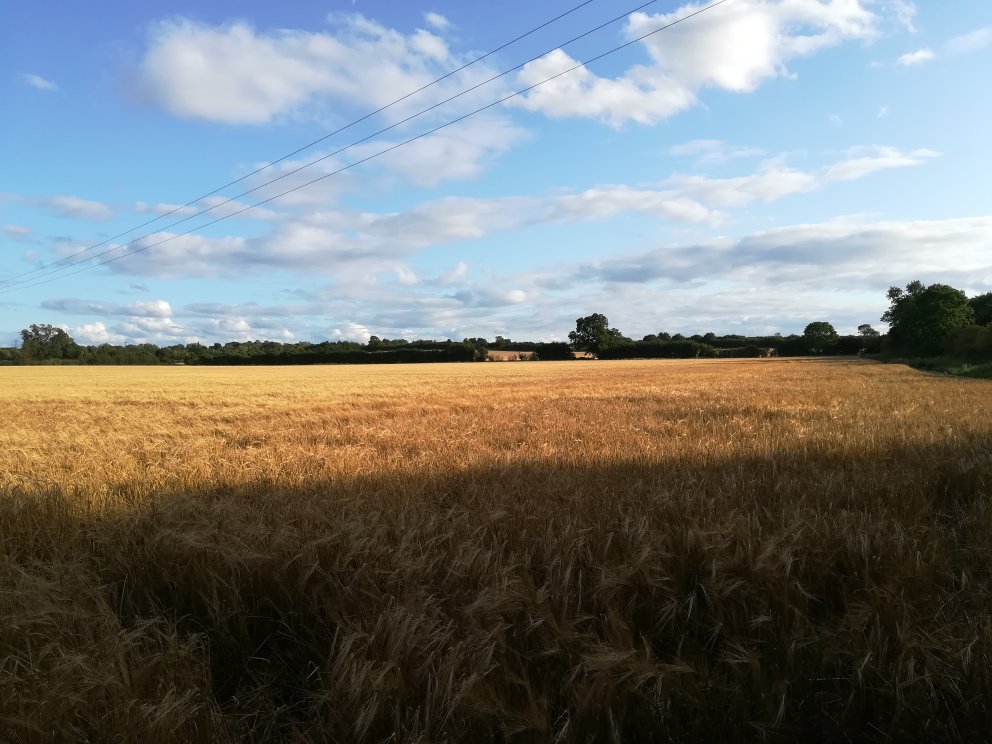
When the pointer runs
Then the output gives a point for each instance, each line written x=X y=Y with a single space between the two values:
x=971 y=343
x=820 y=335
x=593 y=333
x=867 y=331
x=982 y=307
x=46 y=342
x=920 y=317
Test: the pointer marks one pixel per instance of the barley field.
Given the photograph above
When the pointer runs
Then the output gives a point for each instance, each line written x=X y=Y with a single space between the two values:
x=752 y=550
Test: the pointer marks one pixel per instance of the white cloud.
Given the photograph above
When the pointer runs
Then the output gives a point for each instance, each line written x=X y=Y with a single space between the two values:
x=642 y=96
x=883 y=112
x=879 y=158
x=840 y=270
x=149 y=309
x=734 y=47
x=237 y=74
x=774 y=180
x=918 y=57
x=169 y=255
x=609 y=201
x=455 y=275
x=152 y=309
x=18 y=233
x=438 y=21
x=713 y=152
x=848 y=254
x=94 y=334
x=972 y=41
x=490 y=297
x=904 y=12
x=429 y=45
x=38 y=82
x=220 y=206
x=339 y=242
x=163 y=208
x=73 y=207
x=352 y=332
x=454 y=153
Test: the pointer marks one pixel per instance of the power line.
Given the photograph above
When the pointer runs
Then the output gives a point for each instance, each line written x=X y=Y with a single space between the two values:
x=53 y=269
x=307 y=146
x=386 y=150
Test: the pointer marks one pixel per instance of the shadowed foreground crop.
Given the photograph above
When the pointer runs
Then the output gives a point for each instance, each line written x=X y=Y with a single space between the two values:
x=625 y=551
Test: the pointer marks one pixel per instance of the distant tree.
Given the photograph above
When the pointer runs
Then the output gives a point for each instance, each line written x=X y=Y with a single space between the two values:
x=982 y=306
x=593 y=333
x=9 y=356
x=820 y=335
x=42 y=342
x=374 y=342
x=867 y=331
x=920 y=317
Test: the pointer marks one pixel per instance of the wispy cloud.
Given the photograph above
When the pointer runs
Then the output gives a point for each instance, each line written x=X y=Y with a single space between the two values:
x=74 y=207
x=972 y=41
x=438 y=21
x=38 y=82
x=18 y=233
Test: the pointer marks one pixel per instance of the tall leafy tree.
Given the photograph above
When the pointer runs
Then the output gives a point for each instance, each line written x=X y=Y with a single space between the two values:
x=982 y=305
x=44 y=341
x=819 y=335
x=593 y=333
x=920 y=316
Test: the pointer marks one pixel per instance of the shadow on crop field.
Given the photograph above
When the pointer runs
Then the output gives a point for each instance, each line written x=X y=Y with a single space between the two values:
x=762 y=599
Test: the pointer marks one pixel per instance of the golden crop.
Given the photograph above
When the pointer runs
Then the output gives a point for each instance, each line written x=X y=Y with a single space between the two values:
x=576 y=551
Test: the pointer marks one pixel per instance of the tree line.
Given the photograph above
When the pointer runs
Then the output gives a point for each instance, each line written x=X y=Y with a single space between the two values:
x=924 y=321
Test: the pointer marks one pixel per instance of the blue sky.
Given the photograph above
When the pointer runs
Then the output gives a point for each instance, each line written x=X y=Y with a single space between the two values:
x=759 y=166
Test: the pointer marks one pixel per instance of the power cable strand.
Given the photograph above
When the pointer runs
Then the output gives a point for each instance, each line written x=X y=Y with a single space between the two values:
x=52 y=269
x=382 y=152
x=310 y=144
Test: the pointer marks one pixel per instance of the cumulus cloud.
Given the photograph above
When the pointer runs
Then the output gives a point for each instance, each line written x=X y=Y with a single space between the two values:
x=94 y=334
x=911 y=59
x=734 y=47
x=74 y=207
x=237 y=74
x=38 y=82
x=352 y=332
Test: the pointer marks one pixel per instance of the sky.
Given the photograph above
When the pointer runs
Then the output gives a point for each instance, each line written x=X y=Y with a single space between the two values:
x=755 y=167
